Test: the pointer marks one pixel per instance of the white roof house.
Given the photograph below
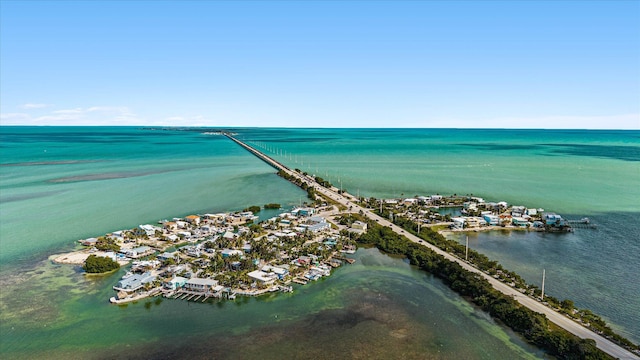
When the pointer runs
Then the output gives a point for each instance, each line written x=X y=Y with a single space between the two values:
x=263 y=277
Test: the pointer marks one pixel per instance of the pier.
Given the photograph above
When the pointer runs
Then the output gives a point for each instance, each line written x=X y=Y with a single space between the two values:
x=557 y=318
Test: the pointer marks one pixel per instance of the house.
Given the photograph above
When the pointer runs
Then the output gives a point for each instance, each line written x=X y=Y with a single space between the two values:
x=262 y=277
x=520 y=221
x=229 y=235
x=518 y=211
x=281 y=272
x=303 y=211
x=193 y=219
x=230 y=252
x=475 y=222
x=172 y=237
x=137 y=252
x=169 y=255
x=134 y=282
x=554 y=220
x=200 y=285
x=409 y=202
x=89 y=241
x=468 y=205
x=359 y=225
x=318 y=227
x=170 y=225
x=316 y=220
x=458 y=223
x=176 y=283
x=150 y=230
x=492 y=220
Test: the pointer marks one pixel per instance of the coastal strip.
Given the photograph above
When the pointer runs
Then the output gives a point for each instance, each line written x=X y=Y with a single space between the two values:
x=346 y=200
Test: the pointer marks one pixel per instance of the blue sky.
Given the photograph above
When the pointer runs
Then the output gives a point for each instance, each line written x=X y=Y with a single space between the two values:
x=468 y=64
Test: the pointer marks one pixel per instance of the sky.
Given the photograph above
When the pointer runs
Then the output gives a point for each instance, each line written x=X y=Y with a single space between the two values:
x=422 y=64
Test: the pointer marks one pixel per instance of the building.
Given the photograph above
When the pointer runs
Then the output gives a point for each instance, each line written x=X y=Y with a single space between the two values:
x=262 y=277
x=176 y=283
x=230 y=252
x=200 y=285
x=359 y=225
x=170 y=225
x=458 y=223
x=492 y=220
x=134 y=282
x=193 y=219
x=554 y=220
x=169 y=255
x=520 y=221
x=138 y=252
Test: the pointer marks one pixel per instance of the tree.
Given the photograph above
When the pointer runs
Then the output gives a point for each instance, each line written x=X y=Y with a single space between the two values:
x=98 y=264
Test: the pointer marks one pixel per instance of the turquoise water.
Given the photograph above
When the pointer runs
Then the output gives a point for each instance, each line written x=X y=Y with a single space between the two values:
x=575 y=173
x=63 y=184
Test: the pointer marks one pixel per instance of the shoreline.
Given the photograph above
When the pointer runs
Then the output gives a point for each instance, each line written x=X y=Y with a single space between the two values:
x=78 y=257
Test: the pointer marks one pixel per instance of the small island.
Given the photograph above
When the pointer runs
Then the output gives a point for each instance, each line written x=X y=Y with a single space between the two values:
x=221 y=256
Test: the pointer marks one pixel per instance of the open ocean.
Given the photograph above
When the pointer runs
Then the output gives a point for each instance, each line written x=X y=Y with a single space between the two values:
x=61 y=184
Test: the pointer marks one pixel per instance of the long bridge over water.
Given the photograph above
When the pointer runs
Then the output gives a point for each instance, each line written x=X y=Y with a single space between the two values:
x=557 y=318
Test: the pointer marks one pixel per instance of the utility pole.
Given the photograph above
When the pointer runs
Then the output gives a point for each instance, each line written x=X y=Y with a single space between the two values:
x=466 y=250
x=543 y=276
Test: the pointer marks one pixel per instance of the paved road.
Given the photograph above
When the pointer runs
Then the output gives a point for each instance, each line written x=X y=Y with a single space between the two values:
x=564 y=322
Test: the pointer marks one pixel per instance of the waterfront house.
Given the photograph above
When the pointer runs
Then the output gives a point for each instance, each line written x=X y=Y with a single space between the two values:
x=176 y=283
x=554 y=220
x=303 y=211
x=280 y=271
x=149 y=230
x=520 y=221
x=262 y=277
x=475 y=222
x=200 y=285
x=89 y=241
x=193 y=219
x=492 y=220
x=170 y=225
x=458 y=223
x=134 y=282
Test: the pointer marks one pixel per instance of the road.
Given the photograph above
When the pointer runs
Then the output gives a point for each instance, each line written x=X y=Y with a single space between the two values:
x=557 y=318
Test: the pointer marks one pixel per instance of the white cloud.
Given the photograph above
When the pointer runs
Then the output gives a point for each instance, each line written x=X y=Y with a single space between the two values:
x=13 y=118
x=96 y=115
x=34 y=106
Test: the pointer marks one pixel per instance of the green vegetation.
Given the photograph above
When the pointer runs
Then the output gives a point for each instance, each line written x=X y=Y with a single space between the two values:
x=98 y=264
x=272 y=206
x=323 y=182
x=107 y=244
x=534 y=327
x=254 y=209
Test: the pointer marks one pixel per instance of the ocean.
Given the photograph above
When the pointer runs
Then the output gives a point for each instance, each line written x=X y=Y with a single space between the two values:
x=61 y=184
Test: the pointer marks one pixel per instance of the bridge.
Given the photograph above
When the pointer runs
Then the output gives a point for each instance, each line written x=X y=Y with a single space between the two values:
x=557 y=318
